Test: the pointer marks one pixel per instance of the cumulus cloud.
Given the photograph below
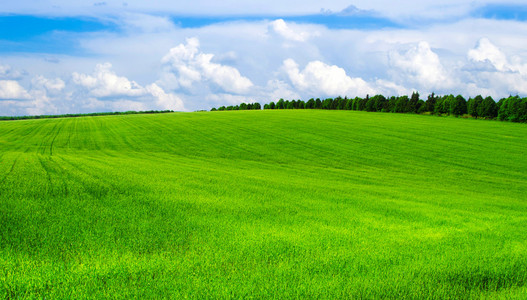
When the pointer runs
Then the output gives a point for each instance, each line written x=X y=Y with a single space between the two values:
x=51 y=85
x=485 y=51
x=105 y=83
x=6 y=72
x=165 y=100
x=276 y=89
x=506 y=76
x=320 y=78
x=281 y=28
x=421 y=66
x=190 y=65
x=12 y=90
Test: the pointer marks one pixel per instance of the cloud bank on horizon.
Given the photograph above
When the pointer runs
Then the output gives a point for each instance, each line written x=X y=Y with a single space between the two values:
x=64 y=57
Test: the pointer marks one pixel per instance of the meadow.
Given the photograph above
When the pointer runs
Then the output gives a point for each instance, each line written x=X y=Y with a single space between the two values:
x=263 y=204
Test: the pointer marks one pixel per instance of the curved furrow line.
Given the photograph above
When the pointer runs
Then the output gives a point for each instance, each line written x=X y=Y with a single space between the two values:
x=10 y=170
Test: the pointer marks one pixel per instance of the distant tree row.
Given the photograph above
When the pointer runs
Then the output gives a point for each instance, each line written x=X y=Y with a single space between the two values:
x=512 y=108
x=130 y=112
x=242 y=106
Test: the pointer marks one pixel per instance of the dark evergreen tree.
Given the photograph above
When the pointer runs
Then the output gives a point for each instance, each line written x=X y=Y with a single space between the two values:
x=412 y=103
x=458 y=106
x=380 y=103
x=391 y=104
x=487 y=108
x=318 y=103
x=421 y=106
x=349 y=104
x=370 y=105
x=431 y=103
x=473 y=104
x=280 y=104
x=327 y=103
x=310 y=104
x=300 y=104
x=401 y=104
x=361 y=103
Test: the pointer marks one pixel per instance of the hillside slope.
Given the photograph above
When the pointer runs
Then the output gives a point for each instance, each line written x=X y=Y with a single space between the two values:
x=264 y=204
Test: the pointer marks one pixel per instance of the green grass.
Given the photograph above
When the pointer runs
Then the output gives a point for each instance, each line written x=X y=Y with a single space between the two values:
x=274 y=204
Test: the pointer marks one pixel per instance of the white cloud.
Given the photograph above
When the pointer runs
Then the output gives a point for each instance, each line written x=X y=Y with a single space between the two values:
x=165 y=100
x=125 y=104
x=6 y=72
x=320 y=78
x=507 y=76
x=191 y=66
x=138 y=22
x=281 y=28
x=105 y=83
x=420 y=66
x=51 y=85
x=276 y=89
x=12 y=90
x=486 y=51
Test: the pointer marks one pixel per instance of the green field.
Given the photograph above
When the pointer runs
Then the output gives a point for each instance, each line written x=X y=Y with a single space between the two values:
x=263 y=204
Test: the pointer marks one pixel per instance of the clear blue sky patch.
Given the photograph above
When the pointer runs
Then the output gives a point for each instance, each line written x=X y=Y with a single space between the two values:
x=502 y=12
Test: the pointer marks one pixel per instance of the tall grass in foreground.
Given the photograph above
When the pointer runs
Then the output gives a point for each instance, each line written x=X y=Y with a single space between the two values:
x=274 y=204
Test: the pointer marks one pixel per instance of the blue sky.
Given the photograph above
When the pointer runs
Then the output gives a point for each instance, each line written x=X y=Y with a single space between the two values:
x=68 y=57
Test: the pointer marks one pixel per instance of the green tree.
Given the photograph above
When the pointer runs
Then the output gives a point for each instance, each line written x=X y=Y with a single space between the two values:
x=421 y=106
x=370 y=105
x=487 y=108
x=310 y=104
x=318 y=103
x=349 y=104
x=327 y=103
x=458 y=106
x=380 y=102
x=431 y=102
x=391 y=104
x=473 y=104
x=412 y=103
x=361 y=103
x=401 y=104
x=300 y=104
x=280 y=104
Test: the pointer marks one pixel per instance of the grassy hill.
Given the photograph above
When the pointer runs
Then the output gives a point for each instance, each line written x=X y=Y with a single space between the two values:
x=263 y=204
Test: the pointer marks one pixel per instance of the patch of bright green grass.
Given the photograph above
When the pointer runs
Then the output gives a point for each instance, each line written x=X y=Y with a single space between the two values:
x=259 y=204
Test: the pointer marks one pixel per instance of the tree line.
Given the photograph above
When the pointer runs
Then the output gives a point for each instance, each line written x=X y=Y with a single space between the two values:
x=130 y=112
x=512 y=109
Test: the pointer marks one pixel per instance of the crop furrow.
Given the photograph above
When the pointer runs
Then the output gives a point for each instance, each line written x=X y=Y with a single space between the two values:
x=10 y=170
